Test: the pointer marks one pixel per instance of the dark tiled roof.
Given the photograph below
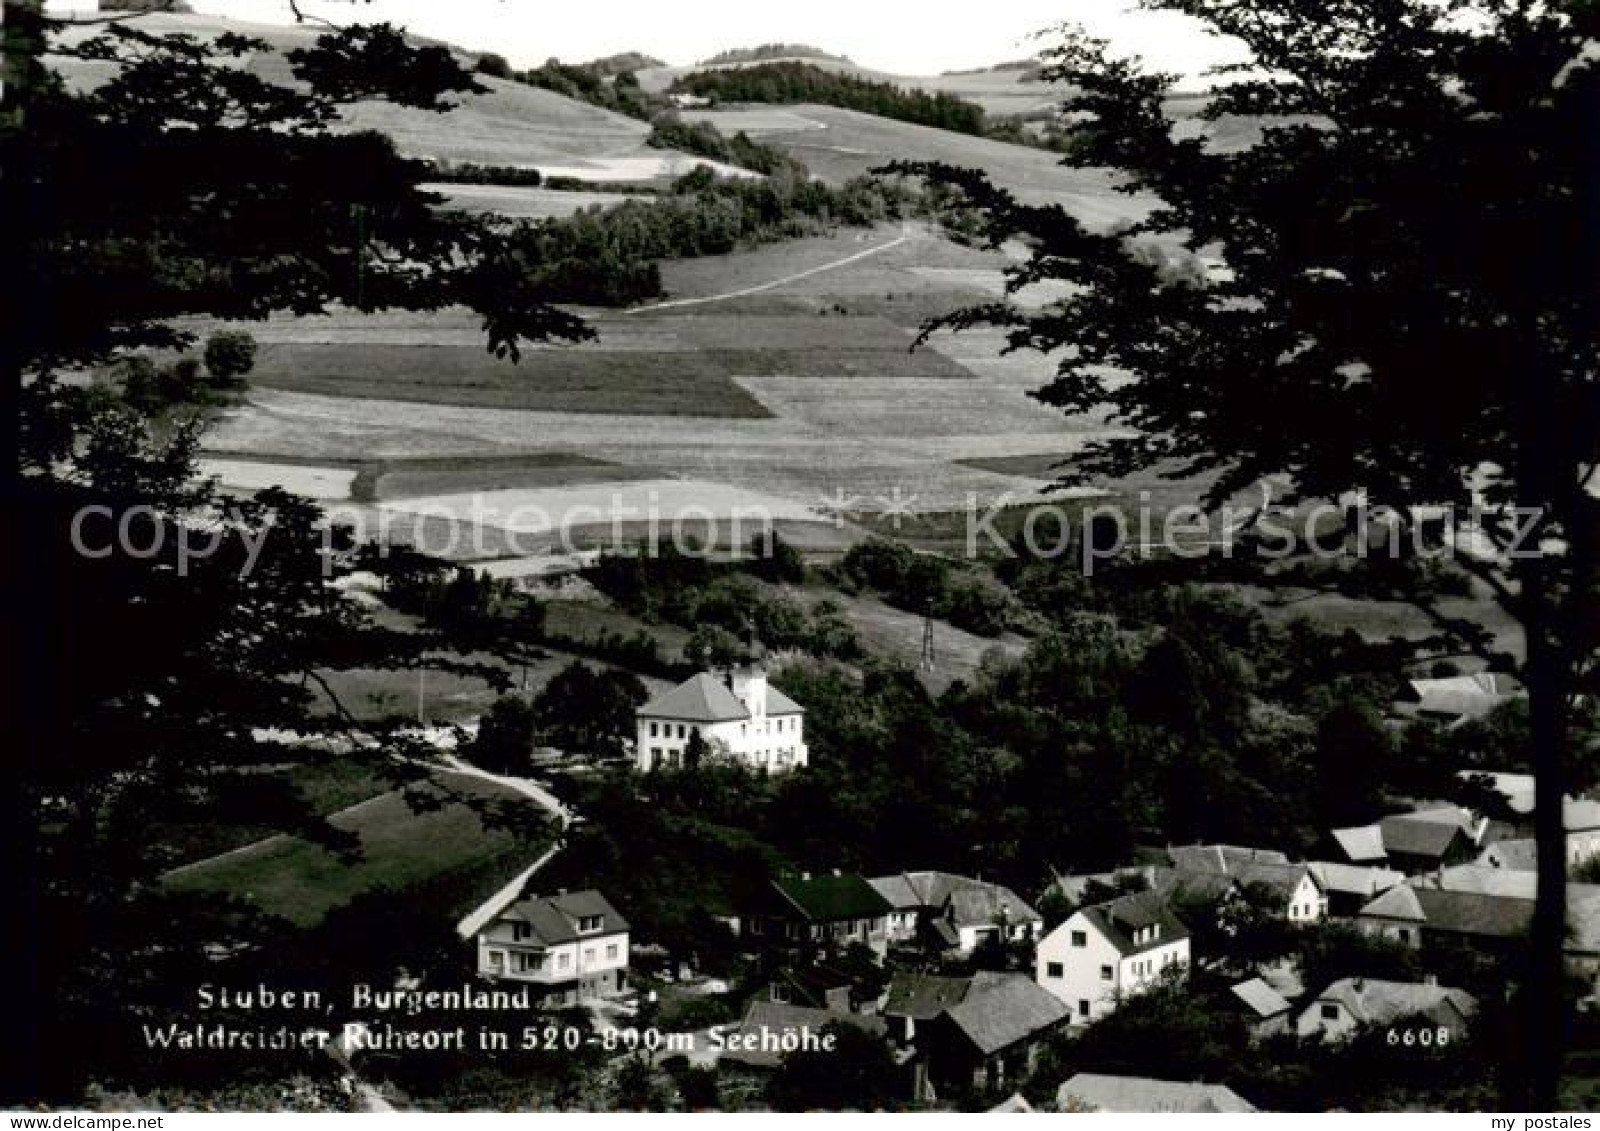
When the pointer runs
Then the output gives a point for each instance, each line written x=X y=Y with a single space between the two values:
x=1458 y=912
x=1412 y=836
x=1001 y=1009
x=829 y=898
x=1120 y=918
x=702 y=699
x=922 y=997
x=554 y=919
x=973 y=902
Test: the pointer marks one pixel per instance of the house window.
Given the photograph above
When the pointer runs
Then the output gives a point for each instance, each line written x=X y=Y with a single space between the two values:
x=1330 y=1013
x=1105 y=973
x=589 y=924
x=655 y=730
x=521 y=932
x=564 y=961
x=1083 y=1007
x=588 y=954
x=1080 y=938
x=1054 y=970
x=497 y=959
x=612 y=950
x=1404 y=935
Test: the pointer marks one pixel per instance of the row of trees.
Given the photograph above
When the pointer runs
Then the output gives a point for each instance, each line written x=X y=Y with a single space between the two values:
x=608 y=256
x=969 y=598
x=703 y=139
x=791 y=82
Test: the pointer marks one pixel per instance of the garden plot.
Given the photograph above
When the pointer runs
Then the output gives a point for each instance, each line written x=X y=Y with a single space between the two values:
x=577 y=380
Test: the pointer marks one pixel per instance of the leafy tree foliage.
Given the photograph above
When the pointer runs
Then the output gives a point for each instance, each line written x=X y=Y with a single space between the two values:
x=1336 y=326
x=506 y=736
x=159 y=685
x=857 y=1074
x=589 y=712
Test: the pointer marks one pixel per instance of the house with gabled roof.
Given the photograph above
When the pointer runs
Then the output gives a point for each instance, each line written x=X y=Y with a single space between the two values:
x=991 y=1037
x=955 y=913
x=1351 y=1004
x=1094 y=1091
x=916 y=998
x=1454 y=700
x=737 y=715
x=1422 y=841
x=809 y=912
x=1262 y=1006
x=1350 y=887
x=1292 y=888
x=1490 y=912
x=1107 y=952
x=572 y=947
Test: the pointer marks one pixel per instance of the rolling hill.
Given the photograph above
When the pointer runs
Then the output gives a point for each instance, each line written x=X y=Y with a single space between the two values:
x=512 y=124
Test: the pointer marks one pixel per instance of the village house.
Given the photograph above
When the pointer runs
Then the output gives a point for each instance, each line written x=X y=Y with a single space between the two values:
x=1352 y=1004
x=1494 y=920
x=916 y=998
x=1423 y=841
x=821 y=912
x=1263 y=1008
x=1093 y=1091
x=1105 y=953
x=737 y=715
x=1350 y=887
x=572 y=947
x=956 y=913
x=1290 y=888
x=1454 y=700
x=991 y=1037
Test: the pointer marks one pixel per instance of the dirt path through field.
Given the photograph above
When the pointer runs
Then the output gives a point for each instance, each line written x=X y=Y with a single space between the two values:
x=471 y=924
x=905 y=236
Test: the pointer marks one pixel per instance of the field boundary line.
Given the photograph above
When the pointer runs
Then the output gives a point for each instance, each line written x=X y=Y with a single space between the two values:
x=904 y=237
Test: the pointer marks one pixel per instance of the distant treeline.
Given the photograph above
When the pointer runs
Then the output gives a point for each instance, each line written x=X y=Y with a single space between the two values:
x=770 y=51
x=467 y=173
x=801 y=82
x=607 y=256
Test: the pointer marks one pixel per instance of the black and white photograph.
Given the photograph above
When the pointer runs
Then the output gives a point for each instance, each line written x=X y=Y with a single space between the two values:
x=1038 y=557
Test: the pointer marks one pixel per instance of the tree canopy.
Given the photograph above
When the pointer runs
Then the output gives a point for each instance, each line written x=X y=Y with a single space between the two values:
x=1389 y=291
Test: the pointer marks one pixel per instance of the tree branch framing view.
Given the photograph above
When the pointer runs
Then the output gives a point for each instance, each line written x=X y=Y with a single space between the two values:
x=757 y=583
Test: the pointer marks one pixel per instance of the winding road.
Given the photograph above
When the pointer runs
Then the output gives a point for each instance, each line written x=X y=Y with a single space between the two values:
x=471 y=924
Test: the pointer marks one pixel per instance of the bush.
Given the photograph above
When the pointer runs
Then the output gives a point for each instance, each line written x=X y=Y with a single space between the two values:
x=230 y=355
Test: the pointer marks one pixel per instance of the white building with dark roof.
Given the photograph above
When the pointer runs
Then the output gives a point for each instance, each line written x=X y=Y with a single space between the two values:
x=739 y=716
x=957 y=912
x=571 y=947
x=1110 y=951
